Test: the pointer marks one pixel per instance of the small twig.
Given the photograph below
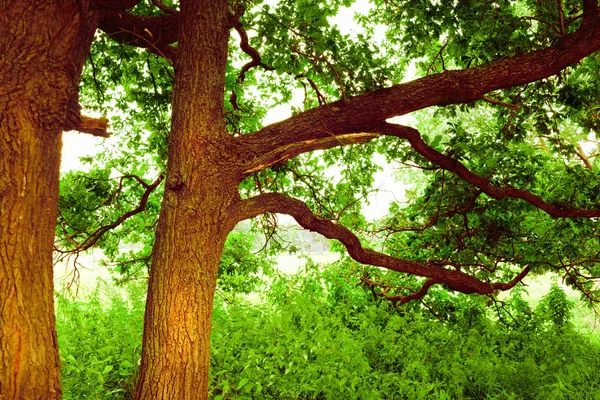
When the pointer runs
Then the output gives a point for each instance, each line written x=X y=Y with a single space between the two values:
x=583 y=157
x=441 y=56
x=94 y=237
x=541 y=21
x=561 y=17
x=500 y=103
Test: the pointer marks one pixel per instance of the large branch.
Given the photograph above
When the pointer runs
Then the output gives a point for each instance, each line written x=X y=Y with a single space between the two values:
x=114 y=4
x=452 y=165
x=285 y=153
x=279 y=203
x=152 y=33
x=359 y=113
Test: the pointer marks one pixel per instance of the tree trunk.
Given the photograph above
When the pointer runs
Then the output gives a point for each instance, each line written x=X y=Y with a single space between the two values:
x=29 y=171
x=194 y=220
x=42 y=50
x=186 y=257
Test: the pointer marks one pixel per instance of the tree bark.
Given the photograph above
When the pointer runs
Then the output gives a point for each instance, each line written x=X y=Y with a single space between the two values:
x=194 y=221
x=43 y=46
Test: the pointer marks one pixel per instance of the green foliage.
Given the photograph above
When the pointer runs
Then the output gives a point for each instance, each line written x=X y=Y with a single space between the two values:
x=100 y=341
x=241 y=270
x=319 y=335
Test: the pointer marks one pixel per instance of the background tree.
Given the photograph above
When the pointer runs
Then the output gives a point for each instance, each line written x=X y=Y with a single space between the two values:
x=488 y=214
x=43 y=47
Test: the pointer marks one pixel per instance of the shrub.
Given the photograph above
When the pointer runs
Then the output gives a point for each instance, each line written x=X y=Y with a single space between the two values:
x=318 y=336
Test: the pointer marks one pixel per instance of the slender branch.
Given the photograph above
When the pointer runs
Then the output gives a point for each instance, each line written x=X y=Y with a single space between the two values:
x=163 y=7
x=282 y=204
x=441 y=56
x=450 y=164
x=561 y=17
x=584 y=158
x=403 y=299
x=251 y=51
x=94 y=237
x=557 y=30
x=513 y=283
x=320 y=98
x=500 y=103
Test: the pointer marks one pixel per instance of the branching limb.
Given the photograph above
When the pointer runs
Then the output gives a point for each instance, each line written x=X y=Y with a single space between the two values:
x=251 y=51
x=450 y=164
x=94 y=237
x=360 y=113
x=282 y=204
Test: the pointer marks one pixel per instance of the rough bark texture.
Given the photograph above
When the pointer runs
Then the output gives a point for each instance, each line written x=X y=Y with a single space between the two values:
x=43 y=45
x=194 y=221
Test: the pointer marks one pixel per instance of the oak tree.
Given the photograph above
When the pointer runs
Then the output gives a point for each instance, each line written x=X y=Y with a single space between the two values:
x=507 y=188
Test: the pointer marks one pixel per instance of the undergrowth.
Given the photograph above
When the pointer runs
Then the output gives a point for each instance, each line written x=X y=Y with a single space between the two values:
x=316 y=336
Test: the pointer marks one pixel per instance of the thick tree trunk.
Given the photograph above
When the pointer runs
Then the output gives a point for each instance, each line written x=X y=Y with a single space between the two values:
x=190 y=239
x=29 y=170
x=194 y=220
x=42 y=50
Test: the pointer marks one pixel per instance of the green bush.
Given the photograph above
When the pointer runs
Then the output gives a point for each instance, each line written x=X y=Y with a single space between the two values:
x=317 y=336
x=100 y=342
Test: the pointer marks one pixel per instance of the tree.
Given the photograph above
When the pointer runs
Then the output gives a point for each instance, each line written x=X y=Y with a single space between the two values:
x=44 y=46
x=484 y=220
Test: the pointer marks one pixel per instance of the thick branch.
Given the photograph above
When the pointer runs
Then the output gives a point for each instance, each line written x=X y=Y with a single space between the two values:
x=278 y=203
x=450 y=164
x=115 y=4
x=152 y=33
x=290 y=151
x=93 y=126
x=359 y=113
x=74 y=121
